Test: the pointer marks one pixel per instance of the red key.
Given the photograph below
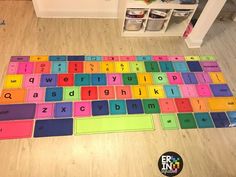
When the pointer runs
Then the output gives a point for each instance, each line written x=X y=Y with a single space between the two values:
x=16 y=129
x=75 y=67
x=183 y=105
x=65 y=80
x=89 y=93
x=42 y=67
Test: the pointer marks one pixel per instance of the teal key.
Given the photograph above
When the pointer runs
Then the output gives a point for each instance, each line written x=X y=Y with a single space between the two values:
x=151 y=66
x=117 y=107
x=59 y=67
x=93 y=58
x=203 y=120
x=82 y=79
x=144 y=58
x=172 y=91
x=57 y=58
x=166 y=66
x=180 y=66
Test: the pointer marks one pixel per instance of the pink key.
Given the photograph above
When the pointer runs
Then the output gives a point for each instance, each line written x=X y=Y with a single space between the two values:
x=25 y=68
x=176 y=58
x=203 y=77
x=175 y=78
x=203 y=90
x=82 y=109
x=188 y=91
x=16 y=129
x=31 y=80
x=110 y=58
x=114 y=79
x=44 y=110
x=127 y=58
x=12 y=67
x=160 y=58
x=210 y=66
x=35 y=95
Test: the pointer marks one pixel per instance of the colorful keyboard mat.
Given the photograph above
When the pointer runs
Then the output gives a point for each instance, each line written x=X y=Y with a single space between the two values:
x=72 y=95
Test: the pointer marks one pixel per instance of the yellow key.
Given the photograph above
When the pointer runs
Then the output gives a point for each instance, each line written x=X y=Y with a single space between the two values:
x=144 y=78
x=122 y=67
x=222 y=104
x=156 y=91
x=107 y=67
x=139 y=92
x=13 y=81
x=217 y=77
x=38 y=58
x=192 y=58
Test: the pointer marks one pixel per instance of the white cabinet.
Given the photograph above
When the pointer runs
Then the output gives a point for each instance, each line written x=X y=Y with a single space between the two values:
x=173 y=23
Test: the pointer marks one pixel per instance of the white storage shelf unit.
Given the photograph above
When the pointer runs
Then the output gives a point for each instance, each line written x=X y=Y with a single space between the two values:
x=173 y=26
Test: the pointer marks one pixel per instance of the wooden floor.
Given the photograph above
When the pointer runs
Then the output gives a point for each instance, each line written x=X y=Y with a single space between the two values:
x=206 y=153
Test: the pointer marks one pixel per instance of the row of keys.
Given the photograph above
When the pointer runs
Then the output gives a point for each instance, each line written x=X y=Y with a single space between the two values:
x=115 y=107
x=110 y=67
x=50 y=94
x=70 y=126
x=52 y=80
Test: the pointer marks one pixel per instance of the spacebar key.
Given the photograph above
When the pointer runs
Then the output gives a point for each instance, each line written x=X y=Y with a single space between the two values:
x=17 y=111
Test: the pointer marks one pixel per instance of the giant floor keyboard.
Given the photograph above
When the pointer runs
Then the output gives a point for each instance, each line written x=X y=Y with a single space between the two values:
x=72 y=95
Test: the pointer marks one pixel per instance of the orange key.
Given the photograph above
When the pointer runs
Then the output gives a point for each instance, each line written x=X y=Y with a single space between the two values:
x=199 y=104
x=91 y=67
x=222 y=104
x=9 y=96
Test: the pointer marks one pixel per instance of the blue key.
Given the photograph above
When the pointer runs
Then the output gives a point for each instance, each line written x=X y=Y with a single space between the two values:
x=48 y=80
x=221 y=90
x=53 y=127
x=180 y=66
x=54 y=94
x=57 y=58
x=100 y=108
x=63 y=109
x=59 y=67
x=98 y=79
x=75 y=58
x=194 y=66
x=93 y=58
x=144 y=58
x=232 y=118
x=117 y=107
x=172 y=91
x=203 y=120
x=82 y=79
x=220 y=119
x=189 y=78
x=134 y=106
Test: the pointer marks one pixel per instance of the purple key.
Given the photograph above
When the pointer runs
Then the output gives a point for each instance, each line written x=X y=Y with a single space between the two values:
x=17 y=111
x=210 y=66
x=220 y=119
x=203 y=77
x=19 y=58
x=221 y=90
x=48 y=80
x=189 y=78
x=63 y=109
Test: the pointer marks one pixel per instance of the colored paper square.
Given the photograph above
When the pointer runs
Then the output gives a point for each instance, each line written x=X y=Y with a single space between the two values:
x=180 y=66
x=169 y=122
x=31 y=80
x=166 y=66
x=44 y=110
x=160 y=78
x=42 y=67
x=189 y=78
x=100 y=108
x=203 y=90
x=130 y=79
x=106 y=92
x=82 y=109
x=71 y=94
x=117 y=107
x=107 y=67
x=54 y=94
x=144 y=58
x=82 y=79
x=221 y=90
x=156 y=91
x=25 y=68
x=139 y=91
x=151 y=106
x=48 y=80
x=186 y=120
x=217 y=77
x=220 y=119
x=98 y=79
x=183 y=105
x=175 y=78
x=35 y=95
x=232 y=118
x=93 y=58
x=9 y=96
x=13 y=81
x=59 y=67
x=89 y=93
x=63 y=109
x=172 y=91
x=114 y=79
x=199 y=104
x=188 y=91
x=134 y=106
x=123 y=92
x=144 y=78
x=167 y=105
x=12 y=68
x=194 y=66
x=65 y=80
x=210 y=66
x=137 y=66
x=203 y=78
x=122 y=67
x=203 y=120
x=75 y=67
x=151 y=66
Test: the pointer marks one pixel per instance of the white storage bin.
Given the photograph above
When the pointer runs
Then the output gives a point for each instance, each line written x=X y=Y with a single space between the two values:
x=133 y=24
x=155 y=24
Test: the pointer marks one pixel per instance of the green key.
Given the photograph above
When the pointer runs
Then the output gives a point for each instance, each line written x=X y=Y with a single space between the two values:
x=137 y=66
x=160 y=78
x=187 y=120
x=151 y=66
x=71 y=93
x=151 y=106
x=106 y=124
x=169 y=121
x=130 y=79
x=207 y=58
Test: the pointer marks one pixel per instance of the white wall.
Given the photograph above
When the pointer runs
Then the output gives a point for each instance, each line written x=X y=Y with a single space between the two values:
x=76 y=8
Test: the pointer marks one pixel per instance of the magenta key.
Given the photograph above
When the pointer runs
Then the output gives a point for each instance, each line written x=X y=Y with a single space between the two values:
x=19 y=58
x=210 y=66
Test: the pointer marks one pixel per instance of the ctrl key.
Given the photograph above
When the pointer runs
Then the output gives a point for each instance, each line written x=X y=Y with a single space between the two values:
x=16 y=129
